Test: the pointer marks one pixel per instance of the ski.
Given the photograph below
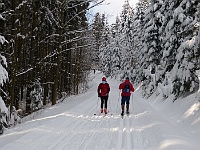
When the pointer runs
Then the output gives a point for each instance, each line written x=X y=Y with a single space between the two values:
x=95 y=114
x=105 y=114
x=123 y=114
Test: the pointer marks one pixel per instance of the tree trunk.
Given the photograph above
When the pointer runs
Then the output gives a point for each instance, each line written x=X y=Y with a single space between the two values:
x=13 y=59
x=57 y=69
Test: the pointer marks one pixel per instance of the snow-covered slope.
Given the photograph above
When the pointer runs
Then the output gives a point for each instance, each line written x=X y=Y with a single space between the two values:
x=72 y=125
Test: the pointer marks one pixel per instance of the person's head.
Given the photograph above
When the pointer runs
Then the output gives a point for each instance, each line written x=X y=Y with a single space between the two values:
x=127 y=78
x=104 y=80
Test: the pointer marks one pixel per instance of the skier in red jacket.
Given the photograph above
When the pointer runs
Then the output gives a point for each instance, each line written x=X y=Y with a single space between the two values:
x=103 y=92
x=126 y=88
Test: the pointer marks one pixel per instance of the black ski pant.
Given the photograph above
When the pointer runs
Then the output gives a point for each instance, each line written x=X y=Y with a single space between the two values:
x=104 y=100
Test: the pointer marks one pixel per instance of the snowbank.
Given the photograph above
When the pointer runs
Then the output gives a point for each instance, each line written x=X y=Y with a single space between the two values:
x=184 y=111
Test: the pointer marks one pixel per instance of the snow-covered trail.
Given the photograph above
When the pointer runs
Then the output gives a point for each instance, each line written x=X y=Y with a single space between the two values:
x=72 y=125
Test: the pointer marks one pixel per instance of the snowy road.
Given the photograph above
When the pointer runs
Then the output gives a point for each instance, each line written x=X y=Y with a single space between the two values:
x=72 y=125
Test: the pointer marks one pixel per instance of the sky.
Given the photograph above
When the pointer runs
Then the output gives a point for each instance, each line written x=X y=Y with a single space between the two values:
x=112 y=8
x=153 y=124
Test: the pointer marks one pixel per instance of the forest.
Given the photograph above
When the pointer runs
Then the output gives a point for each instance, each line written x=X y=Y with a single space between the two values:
x=48 y=48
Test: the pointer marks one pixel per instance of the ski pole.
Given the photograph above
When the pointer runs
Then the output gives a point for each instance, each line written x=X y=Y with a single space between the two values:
x=132 y=99
x=110 y=106
x=97 y=104
x=118 y=101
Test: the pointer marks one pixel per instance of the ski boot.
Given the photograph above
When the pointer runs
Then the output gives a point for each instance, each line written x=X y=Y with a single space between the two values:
x=127 y=112
x=122 y=114
x=105 y=110
x=127 y=109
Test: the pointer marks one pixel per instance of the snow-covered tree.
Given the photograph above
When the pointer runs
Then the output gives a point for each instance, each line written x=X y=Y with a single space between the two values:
x=3 y=79
x=109 y=56
x=186 y=58
x=3 y=109
x=116 y=55
x=3 y=76
x=44 y=37
x=162 y=37
x=138 y=35
x=126 y=39
x=178 y=46
x=97 y=28
x=152 y=50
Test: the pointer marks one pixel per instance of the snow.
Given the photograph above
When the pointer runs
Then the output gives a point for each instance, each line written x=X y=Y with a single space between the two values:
x=3 y=72
x=2 y=39
x=1 y=17
x=153 y=124
x=2 y=106
x=198 y=74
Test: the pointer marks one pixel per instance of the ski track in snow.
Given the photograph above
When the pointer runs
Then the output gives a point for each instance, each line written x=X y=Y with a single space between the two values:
x=128 y=134
x=124 y=134
x=72 y=125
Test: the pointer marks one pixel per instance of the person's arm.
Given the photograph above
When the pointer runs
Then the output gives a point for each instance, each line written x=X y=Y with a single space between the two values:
x=98 y=90
x=121 y=86
x=132 y=88
x=108 y=88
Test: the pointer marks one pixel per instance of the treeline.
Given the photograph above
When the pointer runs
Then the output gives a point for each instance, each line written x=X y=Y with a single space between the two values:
x=157 y=43
x=45 y=49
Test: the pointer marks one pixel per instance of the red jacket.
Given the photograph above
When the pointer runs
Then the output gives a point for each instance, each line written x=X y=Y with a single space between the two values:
x=103 y=89
x=121 y=87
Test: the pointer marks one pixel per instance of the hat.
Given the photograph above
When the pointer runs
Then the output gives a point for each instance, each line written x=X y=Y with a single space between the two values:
x=127 y=78
x=103 y=79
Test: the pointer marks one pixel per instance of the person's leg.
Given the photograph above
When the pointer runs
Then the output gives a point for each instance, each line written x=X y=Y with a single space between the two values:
x=127 y=103
x=127 y=108
x=104 y=99
x=122 y=104
x=106 y=102
x=102 y=102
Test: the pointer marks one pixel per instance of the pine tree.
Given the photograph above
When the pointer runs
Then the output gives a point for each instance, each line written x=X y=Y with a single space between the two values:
x=3 y=79
x=126 y=39
x=138 y=34
x=44 y=37
x=184 y=70
x=152 y=50
x=109 y=56
x=97 y=28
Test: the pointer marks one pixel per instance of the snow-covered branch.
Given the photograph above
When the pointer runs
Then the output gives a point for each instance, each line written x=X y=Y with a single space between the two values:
x=198 y=72
x=2 y=40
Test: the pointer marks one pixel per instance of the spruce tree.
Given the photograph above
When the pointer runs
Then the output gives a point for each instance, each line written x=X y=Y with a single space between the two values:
x=152 y=49
x=184 y=70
